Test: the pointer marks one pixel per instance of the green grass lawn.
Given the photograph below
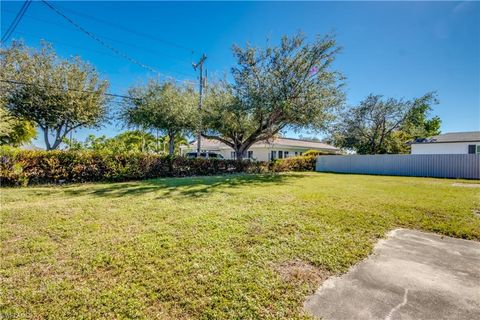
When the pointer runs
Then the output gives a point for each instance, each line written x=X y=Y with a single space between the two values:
x=231 y=247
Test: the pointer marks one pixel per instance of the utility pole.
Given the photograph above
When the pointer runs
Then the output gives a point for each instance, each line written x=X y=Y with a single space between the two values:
x=199 y=66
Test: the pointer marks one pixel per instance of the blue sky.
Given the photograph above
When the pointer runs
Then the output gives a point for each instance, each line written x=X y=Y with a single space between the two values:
x=398 y=49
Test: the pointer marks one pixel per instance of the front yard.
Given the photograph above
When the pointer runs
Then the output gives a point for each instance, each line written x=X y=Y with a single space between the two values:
x=233 y=247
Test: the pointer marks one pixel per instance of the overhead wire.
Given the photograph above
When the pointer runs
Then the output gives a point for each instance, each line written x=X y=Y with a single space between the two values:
x=106 y=45
x=16 y=82
x=91 y=35
x=153 y=52
x=103 y=43
x=16 y=21
x=62 y=43
x=138 y=33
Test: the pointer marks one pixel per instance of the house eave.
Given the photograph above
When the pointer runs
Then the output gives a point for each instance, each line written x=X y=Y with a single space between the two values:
x=438 y=142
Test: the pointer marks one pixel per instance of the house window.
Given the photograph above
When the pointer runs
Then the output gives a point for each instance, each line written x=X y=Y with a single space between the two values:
x=280 y=154
x=232 y=155
x=471 y=149
x=285 y=154
x=478 y=148
x=273 y=155
x=250 y=154
x=296 y=153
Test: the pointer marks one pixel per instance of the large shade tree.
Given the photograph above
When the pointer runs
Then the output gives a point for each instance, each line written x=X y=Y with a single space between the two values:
x=58 y=95
x=274 y=88
x=379 y=125
x=167 y=107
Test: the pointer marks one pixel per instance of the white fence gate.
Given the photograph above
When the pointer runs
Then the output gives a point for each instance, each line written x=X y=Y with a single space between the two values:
x=466 y=166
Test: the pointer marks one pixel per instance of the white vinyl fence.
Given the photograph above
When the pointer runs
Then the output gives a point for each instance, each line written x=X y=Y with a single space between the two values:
x=466 y=166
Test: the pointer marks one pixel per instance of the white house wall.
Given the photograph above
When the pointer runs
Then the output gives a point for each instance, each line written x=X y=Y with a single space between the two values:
x=259 y=153
x=442 y=148
x=263 y=154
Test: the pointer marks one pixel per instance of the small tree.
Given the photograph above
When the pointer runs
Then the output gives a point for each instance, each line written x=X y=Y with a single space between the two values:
x=128 y=141
x=288 y=86
x=57 y=95
x=14 y=131
x=385 y=126
x=165 y=107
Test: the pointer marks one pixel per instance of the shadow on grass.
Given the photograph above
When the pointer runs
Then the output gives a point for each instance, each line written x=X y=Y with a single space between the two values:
x=186 y=187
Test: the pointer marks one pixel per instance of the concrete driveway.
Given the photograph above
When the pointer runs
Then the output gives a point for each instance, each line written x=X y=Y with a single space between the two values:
x=411 y=275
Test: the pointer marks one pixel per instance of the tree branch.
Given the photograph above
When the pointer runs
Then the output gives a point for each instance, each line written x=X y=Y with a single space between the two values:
x=228 y=143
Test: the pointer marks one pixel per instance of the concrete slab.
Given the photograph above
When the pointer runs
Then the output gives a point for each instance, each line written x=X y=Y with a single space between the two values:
x=410 y=275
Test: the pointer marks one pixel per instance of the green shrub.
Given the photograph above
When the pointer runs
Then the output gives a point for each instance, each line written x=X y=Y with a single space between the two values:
x=315 y=153
x=22 y=167
x=25 y=167
x=300 y=163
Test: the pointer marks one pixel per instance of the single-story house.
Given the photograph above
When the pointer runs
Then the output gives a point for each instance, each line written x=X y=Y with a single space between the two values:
x=448 y=143
x=277 y=148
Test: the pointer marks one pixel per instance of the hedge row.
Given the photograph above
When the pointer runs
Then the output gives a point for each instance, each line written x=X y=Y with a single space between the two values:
x=21 y=167
x=301 y=163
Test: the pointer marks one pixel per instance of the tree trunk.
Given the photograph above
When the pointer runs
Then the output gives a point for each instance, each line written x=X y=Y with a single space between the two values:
x=239 y=154
x=56 y=144
x=171 y=144
x=45 y=137
x=382 y=137
x=374 y=144
x=242 y=148
x=59 y=136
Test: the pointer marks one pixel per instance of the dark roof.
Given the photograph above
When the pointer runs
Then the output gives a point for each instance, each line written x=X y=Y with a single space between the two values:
x=472 y=136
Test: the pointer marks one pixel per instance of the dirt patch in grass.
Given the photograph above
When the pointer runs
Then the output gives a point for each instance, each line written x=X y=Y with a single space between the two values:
x=299 y=271
x=467 y=185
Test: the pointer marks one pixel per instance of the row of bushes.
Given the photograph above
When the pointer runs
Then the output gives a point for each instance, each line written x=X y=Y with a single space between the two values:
x=22 y=167
x=301 y=163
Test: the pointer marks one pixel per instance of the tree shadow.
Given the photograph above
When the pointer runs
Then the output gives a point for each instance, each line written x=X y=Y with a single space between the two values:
x=181 y=187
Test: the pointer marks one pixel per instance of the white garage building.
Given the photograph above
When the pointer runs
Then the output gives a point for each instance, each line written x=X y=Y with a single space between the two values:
x=448 y=143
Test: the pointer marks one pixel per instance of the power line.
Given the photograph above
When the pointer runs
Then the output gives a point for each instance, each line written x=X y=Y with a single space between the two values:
x=62 y=43
x=68 y=89
x=108 y=46
x=103 y=43
x=59 y=42
x=153 y=52
x=16 y=21
x=138 y=33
